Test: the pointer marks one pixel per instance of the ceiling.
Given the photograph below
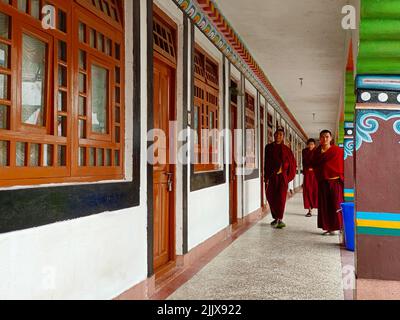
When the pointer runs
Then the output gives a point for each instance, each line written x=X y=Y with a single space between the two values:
x=292 y=39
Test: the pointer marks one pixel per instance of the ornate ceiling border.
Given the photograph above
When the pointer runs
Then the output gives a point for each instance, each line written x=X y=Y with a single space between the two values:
x=208 y=18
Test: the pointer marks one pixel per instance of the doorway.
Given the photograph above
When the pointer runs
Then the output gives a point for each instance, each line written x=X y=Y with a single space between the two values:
x=164 y=77
x=232 y=171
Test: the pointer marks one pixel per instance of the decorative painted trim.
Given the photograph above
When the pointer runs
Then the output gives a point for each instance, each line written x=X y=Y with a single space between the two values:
x=378 y=97
x=348 y=125
x=349 y=194
x=209 y=19
x=378 y=216
x=348 y=148
x=378 y=224
x=366 y=125
x=378 y=232
x=378 y=82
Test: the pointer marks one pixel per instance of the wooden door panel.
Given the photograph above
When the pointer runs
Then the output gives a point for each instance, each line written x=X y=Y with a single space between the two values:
x=233 y=178
x=161 y=194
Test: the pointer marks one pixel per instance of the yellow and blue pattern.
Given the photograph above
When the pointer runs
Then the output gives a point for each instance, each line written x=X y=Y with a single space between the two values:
x=378 y=223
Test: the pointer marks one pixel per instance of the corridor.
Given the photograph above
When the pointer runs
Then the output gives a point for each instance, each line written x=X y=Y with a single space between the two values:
x=137 y=139
x=266 y=263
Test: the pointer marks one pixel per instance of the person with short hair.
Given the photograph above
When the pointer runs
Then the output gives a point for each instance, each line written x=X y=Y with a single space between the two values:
x=310 y=183
x=328 y=163
x=279 y=170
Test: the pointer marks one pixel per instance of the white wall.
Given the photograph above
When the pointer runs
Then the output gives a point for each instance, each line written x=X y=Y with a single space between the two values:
x=96 y=257
x=252 y=196
x=208 y=213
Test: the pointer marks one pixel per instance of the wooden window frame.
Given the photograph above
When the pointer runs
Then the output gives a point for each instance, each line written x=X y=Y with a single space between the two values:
x=23 y=23
x=206 y=108
x=253 y=125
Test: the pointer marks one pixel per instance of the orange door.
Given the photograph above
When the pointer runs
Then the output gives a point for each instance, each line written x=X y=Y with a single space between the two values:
x=262 y=146
x=163 y=176
x=233 y=178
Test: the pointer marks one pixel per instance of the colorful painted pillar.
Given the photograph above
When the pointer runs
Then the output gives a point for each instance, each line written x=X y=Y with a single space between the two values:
x=377 y=152
x=348 y=143
x=377 y=184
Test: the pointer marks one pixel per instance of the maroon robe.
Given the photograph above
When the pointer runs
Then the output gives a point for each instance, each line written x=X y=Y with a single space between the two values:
x=278 y=156
x=329 y=170
x=310 y=183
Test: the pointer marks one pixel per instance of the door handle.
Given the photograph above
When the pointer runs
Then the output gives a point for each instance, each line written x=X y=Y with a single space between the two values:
x=170 y=182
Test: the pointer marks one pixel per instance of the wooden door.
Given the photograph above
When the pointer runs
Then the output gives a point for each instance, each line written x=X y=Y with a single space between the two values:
x=233 y=165
x=262 y=147
x=163 y=174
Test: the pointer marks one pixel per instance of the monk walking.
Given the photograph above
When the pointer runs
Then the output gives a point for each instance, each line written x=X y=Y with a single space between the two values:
x=279 y=170
x=329 y=169
x=310 y=184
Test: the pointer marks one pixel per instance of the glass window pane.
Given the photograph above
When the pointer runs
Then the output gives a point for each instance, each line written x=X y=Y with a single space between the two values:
x=117 y=115
x=100 y=41
x=99 y=99
x=82 y=129
x=116 y=158
x=23 y=5
x=4 y=26
x=117 y=75
x=34 y=157
x=108 y=47
x=4 y=55
x=4 y=153
x=62 y=156
x=82 y=106
x=92 y=153
x=100 y=159
x=3 y=117
x=115 y=15
x=48 y=155
x=82 y=157
x=117 y=95
x=92 y=38
x=62 y=76
x=33 y=80
x=20 y=156
x=82 y=32
x=82 y=59
x=62 y=101
x=62 y=126
x=35 y=8
x=117 y=51
x=62 y=51
x=62 y=21
x=108 y=158
x=117 y=135
x=4 y=79
x=82 y=83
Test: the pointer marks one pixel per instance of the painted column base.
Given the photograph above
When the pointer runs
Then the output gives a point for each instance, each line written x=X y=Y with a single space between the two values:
x=368 y=289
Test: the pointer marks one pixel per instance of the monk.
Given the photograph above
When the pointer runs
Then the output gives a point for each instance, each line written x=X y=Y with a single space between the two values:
x=310 y=184
x=328 y=163
x=279 y=170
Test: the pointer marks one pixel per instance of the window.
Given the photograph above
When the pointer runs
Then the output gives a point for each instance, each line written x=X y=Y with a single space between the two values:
x=270 y=129
x=164 y=40
x=61 y=92
x=250 y=122
x=206 y=112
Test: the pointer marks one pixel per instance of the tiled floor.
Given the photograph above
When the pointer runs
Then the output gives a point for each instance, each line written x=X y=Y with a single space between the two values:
x=265 y=263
